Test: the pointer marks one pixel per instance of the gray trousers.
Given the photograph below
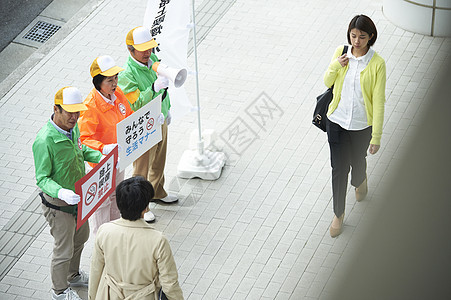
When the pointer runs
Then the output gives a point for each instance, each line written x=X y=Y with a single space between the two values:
x=68 y=244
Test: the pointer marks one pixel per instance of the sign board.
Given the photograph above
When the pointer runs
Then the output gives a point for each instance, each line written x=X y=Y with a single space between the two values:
x=168 y=23
x=139 y=132
x=96 y=186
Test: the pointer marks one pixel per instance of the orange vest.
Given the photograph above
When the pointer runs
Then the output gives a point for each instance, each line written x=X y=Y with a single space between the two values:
x=98 y=123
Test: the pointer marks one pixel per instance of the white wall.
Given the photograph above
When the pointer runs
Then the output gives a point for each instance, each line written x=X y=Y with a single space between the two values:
x=420 y=16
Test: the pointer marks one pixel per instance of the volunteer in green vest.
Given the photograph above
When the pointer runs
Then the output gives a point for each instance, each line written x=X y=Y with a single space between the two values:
x=140 y=85
x=59 y=159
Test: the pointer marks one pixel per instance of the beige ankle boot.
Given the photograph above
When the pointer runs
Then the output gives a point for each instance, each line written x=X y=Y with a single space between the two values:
x=337 y=225
x=361 y=191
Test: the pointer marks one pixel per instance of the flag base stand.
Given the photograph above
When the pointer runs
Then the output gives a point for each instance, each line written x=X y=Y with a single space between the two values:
x=201 y=163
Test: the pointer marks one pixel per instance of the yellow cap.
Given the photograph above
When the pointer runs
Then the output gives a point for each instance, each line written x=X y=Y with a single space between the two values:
x=104 y=65
x=70 y=99
x=140 y=39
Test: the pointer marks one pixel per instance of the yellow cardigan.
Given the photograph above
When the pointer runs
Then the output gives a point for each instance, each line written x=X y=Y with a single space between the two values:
x=372 y=83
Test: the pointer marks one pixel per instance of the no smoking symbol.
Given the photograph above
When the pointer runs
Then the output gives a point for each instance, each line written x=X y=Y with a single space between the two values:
x=122 y=108
x=149 y=124
x=91 y=193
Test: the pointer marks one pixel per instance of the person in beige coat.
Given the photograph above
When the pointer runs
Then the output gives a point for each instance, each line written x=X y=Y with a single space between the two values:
x=131 y=260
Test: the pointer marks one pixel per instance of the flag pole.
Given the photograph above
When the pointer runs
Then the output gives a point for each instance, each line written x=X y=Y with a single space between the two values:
x=200 y=143
x=200 y=163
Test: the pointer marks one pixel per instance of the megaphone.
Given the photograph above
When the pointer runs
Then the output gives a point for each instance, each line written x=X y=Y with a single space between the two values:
x=177 y=76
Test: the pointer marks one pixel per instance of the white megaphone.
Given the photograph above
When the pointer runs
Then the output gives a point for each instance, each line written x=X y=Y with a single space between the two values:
x=177 y=76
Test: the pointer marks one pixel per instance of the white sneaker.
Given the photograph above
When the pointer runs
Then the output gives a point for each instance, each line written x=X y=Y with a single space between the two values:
x=149 y=217
x=68 y=294
x=169 y=199
x=81 y=279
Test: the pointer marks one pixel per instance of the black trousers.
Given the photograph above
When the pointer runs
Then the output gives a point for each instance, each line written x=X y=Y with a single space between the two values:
x=348 y=149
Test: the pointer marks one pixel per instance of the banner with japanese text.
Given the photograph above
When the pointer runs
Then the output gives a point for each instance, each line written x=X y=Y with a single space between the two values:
x=168 y=22
x=96 y=186
x=139 y=132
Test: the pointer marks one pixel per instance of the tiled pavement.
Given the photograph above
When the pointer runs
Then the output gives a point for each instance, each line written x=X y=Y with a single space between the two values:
x=261 y=230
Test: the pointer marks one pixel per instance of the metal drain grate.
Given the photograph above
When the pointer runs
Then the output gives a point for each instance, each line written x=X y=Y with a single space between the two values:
x=41 y=32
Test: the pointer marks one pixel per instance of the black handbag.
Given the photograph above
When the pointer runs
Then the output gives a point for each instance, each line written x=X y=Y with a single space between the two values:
x=162 y=295
x=322 y=104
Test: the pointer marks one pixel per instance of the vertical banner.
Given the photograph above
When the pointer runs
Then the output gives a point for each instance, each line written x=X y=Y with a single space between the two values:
x=139 y=132
x=168 y=21
x=96 y=186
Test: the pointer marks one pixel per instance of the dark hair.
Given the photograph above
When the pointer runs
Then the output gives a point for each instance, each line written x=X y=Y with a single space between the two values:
x=60 y=109
x=132 y=197
x=363 y=23
x=97 y=81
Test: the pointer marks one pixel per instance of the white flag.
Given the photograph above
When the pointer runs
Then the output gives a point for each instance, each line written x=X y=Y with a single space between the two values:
x=168 y=22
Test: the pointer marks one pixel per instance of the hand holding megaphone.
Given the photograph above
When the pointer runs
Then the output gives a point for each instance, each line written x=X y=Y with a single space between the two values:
x=161 y=83
x=177 y=76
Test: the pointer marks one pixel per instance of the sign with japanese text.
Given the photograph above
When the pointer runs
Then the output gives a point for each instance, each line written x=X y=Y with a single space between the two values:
x=96 y=186
x=139 y=132
x=168 y=22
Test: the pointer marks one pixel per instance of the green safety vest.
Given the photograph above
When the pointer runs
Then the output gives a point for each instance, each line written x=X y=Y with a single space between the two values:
x=140 y=77
x=60 y=162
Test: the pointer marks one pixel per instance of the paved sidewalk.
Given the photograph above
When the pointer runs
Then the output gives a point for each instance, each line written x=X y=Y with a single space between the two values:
x=261 y=230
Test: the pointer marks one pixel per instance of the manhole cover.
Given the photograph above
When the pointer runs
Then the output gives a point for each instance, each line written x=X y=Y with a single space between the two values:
x=41 y=32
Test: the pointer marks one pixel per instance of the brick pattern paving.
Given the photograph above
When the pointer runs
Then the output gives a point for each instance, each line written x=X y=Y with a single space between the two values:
x=261 y=230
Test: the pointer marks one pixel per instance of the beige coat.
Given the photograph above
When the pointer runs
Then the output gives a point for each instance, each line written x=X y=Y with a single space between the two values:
x=131 y=260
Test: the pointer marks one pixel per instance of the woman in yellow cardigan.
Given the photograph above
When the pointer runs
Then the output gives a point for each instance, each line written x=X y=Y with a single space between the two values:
x=356 y=112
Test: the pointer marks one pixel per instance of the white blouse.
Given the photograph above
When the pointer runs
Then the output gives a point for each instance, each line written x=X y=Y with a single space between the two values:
x=350 y=113
x=113 y=98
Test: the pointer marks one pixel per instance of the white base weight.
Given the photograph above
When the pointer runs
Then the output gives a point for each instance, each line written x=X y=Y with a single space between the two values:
x=207 y=166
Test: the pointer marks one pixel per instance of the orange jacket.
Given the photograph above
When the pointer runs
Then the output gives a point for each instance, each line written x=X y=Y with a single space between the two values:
x=98 y=123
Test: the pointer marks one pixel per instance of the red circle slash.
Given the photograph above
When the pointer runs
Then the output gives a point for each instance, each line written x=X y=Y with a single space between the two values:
x=150 y=124
x=91 y=193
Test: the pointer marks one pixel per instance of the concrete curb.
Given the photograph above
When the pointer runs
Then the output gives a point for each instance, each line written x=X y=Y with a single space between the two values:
x=10 y=82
